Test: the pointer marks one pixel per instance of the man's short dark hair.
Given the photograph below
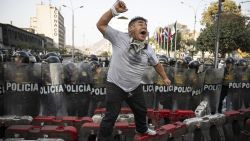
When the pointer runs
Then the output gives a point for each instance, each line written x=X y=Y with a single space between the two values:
x=133 y=20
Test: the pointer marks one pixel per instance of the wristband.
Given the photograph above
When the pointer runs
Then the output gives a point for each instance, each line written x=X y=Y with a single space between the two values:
x=114 y=12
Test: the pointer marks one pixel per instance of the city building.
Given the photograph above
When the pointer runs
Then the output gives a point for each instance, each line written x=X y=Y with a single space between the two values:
x=13 y=38
x=50 y=22
x=29 y=30
x=48 y=42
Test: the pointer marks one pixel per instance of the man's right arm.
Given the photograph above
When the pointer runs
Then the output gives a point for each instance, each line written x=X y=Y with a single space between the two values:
x=119 y=7
x=103 y=21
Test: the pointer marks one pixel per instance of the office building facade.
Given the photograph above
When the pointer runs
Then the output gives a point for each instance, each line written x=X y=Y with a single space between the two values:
x=50 y=22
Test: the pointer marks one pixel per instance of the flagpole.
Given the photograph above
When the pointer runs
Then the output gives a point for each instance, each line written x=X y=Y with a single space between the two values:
x=164 y=40
x=175 y=43
x=171 y=44
x=161 y=37
x=167 y=46
x=175 y=39
x=158 y=40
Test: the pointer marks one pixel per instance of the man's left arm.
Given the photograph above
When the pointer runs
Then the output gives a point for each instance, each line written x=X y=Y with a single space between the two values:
x=160 y=70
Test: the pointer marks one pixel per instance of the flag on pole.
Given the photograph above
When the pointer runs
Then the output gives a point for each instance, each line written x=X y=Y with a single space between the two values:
x=156 y=36
x=167 y=35
x=175 y=41
x=175 y=28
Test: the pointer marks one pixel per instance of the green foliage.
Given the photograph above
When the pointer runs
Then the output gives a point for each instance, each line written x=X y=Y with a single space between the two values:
x=209 y=15
x=23 y=46
x=52 y=49
x=62 y=50
x=26 y=46
x=104 y=54
x=234 y=34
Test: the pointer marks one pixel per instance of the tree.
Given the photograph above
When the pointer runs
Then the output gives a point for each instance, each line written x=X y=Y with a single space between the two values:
x=52 y=49
x=209 y=15
x=187 y=38
x=23 y=46
x=62 y=50
x=105 y=54
x=234 y=35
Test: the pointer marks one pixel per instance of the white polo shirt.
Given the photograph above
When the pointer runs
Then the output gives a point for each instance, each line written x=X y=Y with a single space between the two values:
x=127 y=66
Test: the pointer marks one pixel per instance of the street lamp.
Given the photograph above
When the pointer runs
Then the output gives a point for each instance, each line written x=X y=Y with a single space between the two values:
x=195 y=14
x=73 y=30
x=195 y=18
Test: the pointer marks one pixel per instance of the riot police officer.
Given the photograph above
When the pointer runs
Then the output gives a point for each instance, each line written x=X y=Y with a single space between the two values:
x=243 y=72
x=196 y=79
x=181 y=98
x=228 y=76
x=20 y=72
x=52 y=103
x=98 y=76
x=77 y=102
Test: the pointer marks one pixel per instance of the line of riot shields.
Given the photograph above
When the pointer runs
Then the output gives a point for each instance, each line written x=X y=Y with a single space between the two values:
x=77 y=89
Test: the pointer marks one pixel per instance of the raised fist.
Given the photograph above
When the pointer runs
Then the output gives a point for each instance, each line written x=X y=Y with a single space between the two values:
x=120 y=6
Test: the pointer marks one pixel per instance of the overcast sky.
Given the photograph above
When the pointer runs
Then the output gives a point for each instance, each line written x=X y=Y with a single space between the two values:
x=158 y=13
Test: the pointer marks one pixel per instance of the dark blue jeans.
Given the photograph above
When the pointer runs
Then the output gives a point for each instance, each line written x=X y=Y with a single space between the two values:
x=114 y=99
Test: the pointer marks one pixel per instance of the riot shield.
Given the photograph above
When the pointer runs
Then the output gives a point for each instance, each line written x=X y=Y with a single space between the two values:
x=239 y=87
x=22 y=83
x=197 y=82
x=77 y=88
x=98 y=91
x=245 y=78
x=230 y=90
x=1 y=89
x=212 y=87
x=163 y=92
x=148 y=79
x=52 y=90
x=182 y=89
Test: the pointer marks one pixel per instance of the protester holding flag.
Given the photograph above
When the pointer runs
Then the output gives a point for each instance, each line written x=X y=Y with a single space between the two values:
x=130 y=58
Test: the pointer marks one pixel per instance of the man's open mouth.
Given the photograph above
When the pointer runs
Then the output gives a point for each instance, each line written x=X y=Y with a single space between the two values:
x=143 y=32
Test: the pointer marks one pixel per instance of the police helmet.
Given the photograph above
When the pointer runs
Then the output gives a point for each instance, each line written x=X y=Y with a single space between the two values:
x=187 y=59
x=242 y=62
x=53 y=59
x=229 y=60
x=93 y=58
x=21 y=56
x=53 y=54
x=172 y=61
x=94 y=65
x=180 y=63
x=163 y=61
x=194 y=64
